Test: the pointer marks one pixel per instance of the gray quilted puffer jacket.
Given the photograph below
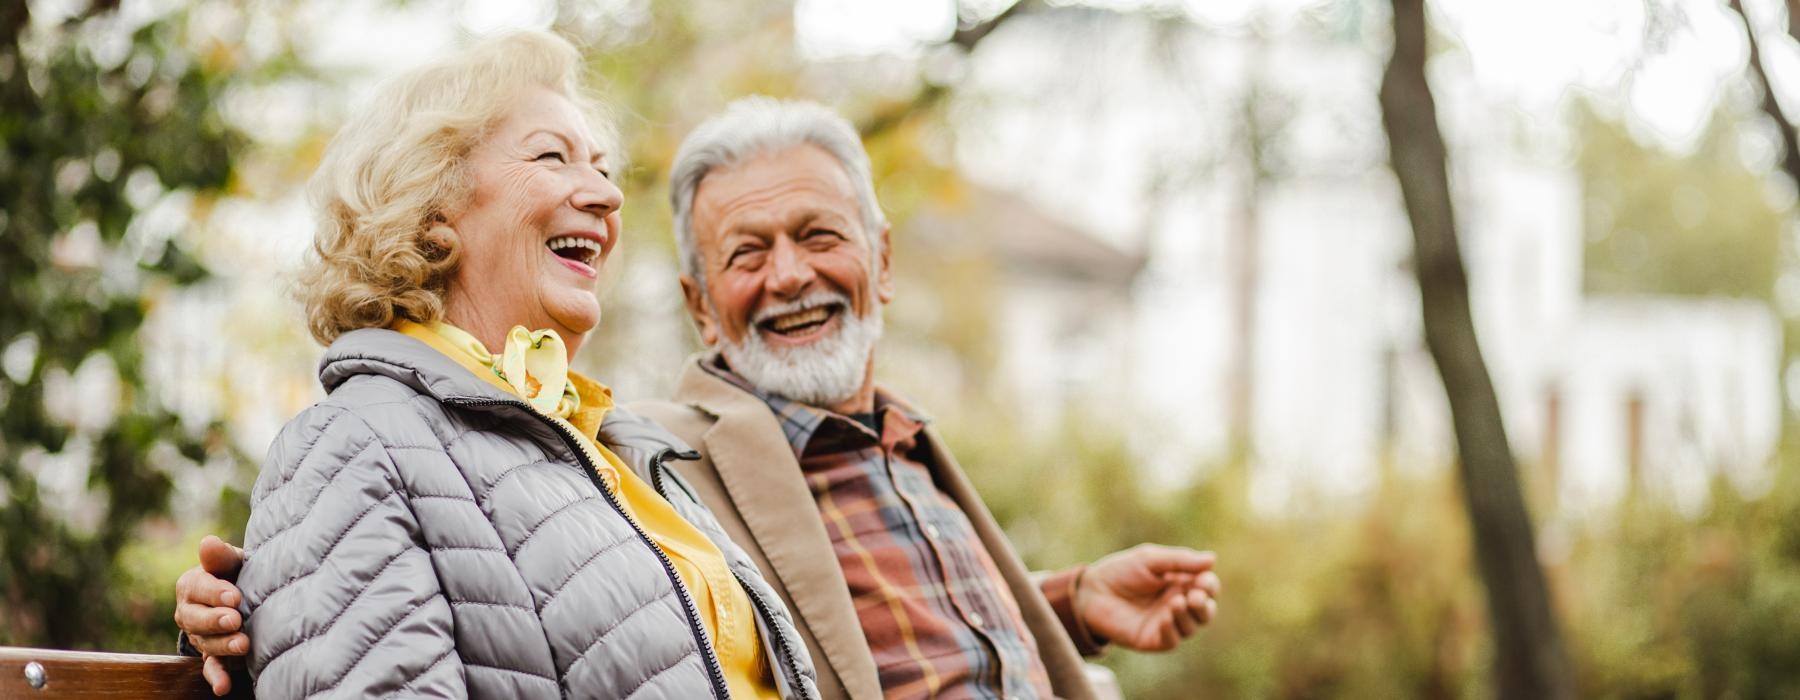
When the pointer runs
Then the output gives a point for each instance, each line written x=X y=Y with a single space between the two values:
x=423 y=533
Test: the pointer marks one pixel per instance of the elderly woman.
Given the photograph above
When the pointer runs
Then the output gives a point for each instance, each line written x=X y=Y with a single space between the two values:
x=462 y=515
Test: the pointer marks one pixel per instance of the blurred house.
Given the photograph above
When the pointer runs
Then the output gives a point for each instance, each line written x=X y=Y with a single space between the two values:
x=1060 y=300
x=1604 y=393
x=1275 y=143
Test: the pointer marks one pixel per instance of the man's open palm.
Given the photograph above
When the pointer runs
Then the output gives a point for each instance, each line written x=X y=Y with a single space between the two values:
x=1149 y=597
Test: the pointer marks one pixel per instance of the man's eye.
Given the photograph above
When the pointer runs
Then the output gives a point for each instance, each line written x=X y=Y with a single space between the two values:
x=746 y=256
x=556 y=155
x=822 y=233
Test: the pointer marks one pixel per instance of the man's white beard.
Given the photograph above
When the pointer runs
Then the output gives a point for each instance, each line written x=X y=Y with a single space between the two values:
x=822 y=373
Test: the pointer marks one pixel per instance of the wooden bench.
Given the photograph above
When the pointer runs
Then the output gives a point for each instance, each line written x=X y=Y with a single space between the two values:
x=53 y=673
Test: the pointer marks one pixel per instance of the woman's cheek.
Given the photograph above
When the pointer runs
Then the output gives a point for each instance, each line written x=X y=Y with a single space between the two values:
x=615 y=229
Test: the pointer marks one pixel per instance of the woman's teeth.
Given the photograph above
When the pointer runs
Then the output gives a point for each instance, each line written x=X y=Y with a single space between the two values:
x=581 y=250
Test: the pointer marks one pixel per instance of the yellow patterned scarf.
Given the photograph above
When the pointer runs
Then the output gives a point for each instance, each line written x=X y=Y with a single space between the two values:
x=534 y=363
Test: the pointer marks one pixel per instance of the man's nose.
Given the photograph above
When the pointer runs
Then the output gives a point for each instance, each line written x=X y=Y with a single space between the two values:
x=597 y=195
x=790 y=272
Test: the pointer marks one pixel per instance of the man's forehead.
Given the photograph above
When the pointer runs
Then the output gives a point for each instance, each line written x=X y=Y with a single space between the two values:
x=798 y=182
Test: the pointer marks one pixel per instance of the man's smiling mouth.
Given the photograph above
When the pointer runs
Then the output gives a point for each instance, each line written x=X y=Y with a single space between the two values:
x=800 y=322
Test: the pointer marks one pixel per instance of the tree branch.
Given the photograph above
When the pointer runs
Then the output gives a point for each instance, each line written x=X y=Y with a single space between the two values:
x=966 y=38
x=1790 y=150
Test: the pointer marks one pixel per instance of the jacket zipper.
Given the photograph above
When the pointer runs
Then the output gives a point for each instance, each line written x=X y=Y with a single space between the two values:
x=715 y=672
x=657 y=464
x=781 y=648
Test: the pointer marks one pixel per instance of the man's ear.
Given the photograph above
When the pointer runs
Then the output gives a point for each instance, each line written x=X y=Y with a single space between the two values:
x=696 y=307
x=884 y=272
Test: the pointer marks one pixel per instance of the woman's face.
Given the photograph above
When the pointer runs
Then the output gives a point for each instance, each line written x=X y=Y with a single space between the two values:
x=541 y=220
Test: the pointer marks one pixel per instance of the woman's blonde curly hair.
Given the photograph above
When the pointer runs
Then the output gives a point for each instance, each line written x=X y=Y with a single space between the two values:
x=398 y=170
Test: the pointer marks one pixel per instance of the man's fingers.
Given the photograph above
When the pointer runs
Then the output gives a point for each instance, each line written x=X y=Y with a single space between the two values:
x=1168 y=636
x=1163 y=559
x=1210 y=583
x=201 y=587
x=1201 y=606
x=1167 y=618
x=219 y=558
x=1186 y=621
x=199 y=619
x=221 y=644
x=216 y=676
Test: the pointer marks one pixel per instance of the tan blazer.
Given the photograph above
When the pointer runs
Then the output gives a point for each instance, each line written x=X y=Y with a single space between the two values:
x=748 y=476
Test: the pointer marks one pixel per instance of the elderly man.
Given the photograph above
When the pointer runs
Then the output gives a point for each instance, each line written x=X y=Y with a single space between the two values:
x=902 y=583
x=837 y=486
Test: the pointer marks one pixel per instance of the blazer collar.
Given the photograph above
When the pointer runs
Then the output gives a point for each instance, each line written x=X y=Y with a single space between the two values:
x=762 y=477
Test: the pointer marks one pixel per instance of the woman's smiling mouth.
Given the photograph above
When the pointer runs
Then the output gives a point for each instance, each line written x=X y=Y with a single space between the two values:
x=578 y=253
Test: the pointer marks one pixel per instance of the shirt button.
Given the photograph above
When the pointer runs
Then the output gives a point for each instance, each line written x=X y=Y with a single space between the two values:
x=976 y=620
x=931 y=532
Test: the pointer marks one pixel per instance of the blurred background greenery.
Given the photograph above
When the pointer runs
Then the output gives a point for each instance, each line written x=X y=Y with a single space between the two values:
x=1153 y=287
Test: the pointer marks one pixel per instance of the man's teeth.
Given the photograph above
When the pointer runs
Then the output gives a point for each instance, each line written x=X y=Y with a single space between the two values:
x=587 y=249
x=783 y=324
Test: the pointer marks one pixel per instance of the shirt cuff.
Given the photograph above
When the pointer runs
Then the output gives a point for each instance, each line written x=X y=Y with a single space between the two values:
x=1059 y=589
x=183 y=647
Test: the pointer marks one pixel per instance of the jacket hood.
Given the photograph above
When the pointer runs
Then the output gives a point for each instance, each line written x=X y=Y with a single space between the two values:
x=394 y=355
x=397 y=356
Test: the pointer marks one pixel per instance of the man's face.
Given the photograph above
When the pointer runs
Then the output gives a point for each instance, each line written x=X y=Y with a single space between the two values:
x=793 y=288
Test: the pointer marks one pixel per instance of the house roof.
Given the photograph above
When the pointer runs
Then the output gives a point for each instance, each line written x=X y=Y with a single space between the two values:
x=1024 y=239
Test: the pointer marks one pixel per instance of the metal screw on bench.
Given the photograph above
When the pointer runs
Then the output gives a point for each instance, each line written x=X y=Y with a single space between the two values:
x=34 y=675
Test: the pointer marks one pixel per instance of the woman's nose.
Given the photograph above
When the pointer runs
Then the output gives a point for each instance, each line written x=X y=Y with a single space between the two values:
x=598 y=195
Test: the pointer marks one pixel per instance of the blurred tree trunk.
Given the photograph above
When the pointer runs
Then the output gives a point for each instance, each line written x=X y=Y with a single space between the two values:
x=1790 y=151
x=1529 y=660
x=1244 y=263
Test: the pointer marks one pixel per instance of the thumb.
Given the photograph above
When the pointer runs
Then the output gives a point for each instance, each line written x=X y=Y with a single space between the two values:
x=220 y=559
x=1175 y=560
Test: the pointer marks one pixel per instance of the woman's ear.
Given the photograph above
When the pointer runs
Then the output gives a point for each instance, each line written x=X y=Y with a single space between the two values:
x=439 y=243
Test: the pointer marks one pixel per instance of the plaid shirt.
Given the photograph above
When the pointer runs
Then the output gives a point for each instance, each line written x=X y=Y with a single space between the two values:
x=939 y=620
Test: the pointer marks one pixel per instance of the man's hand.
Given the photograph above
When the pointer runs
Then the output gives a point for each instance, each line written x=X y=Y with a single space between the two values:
x=206 y=609
x=1149 y=597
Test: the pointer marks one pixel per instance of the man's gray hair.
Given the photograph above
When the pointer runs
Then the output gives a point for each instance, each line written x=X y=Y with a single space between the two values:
x=753 y=126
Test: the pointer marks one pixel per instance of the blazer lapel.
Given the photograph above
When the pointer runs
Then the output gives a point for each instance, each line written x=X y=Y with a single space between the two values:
x=763 y=479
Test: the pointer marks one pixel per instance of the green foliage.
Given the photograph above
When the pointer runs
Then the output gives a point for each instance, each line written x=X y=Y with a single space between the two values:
x=85 y=147
x=1658 y=222
x=1373 y=596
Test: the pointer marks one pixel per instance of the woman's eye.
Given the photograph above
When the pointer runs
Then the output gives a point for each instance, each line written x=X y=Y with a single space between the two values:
x=556 y=155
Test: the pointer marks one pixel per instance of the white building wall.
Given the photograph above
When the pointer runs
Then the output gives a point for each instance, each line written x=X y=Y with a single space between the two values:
x=1342 y=377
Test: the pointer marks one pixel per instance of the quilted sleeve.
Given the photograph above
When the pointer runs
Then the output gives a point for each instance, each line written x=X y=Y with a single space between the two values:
x=340 y=598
